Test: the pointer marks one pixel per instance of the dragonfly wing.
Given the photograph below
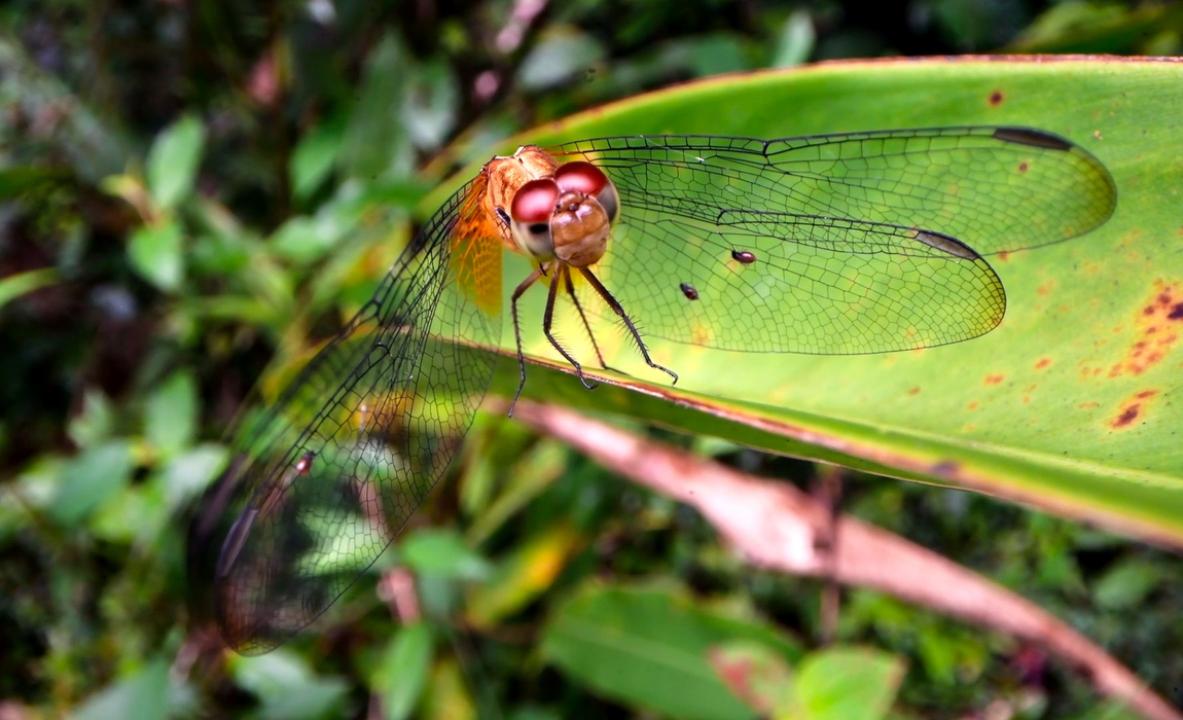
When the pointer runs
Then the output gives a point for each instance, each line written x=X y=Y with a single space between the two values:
x=995 y=188
x=860 y=242
x=766 y=282
x=327 y=476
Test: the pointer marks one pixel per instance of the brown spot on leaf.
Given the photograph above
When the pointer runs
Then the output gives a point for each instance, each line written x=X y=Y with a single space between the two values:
x=1127 y=416
x=994 y=379
x=996 y=98
x=1023 y=167
x=914 y=390
x=971 y=405
x=1042 y=363
x=1156 y=330
x=1003 y=256
x=1132 y=409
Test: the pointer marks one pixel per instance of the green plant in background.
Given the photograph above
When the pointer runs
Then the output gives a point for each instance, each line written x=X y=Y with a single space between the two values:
x=187 y=192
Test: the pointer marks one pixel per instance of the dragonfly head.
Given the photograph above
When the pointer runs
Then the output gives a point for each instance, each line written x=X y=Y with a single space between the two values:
x=568 y=216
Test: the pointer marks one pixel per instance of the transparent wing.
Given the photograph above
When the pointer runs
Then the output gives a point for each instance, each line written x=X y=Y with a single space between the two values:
x=326 y=477
x=859 y=242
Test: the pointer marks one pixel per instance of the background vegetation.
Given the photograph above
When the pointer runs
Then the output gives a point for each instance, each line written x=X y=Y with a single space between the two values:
x=189 y=187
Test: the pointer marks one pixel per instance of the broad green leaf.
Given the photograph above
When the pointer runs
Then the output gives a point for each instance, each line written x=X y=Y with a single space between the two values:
x=170 y=416
x=447 y=696
x=173 y=161
x=844 y=684
x=313 y=158
x=443 y=553
x=796 y=40
x=529 y=571
x=374 y=144
x=1072 y=404
x=188 y=474
x=89 y=479
x=403 y=671
x=559 y=55
x=1126 y=584
x=652 y=648
x=286 y=686
x=95 y=421
x=142 y=696
x=155 y=252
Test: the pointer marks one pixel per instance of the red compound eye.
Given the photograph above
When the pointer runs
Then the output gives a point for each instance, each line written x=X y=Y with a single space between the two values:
x=535 y=201
x=581 y=177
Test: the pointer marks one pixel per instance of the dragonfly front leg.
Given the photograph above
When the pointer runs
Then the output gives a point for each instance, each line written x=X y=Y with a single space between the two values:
x=570 y=287
x=628 y=322
x=547 y=321
x=517 y=333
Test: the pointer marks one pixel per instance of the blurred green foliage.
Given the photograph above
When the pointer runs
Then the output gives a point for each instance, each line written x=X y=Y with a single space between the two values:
x=188 y=188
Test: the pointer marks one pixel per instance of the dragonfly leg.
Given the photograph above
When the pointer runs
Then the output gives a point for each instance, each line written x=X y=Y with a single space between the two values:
x=548 y=318
x=628 y=322
x=517 y=333
x=586 y=326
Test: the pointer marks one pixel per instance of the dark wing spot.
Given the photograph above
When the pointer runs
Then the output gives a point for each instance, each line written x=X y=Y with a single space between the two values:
x=946 y=243
x=235 y=539
x=1034 y=138
x=689 y=291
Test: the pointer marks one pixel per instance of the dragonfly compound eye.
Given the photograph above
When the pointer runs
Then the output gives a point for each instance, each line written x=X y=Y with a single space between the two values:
x=530 y=214
x=583 y=177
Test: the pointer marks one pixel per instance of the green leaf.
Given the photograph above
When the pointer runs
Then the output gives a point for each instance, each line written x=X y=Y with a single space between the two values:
x=142 y=696
x=187 y=475
x=88 y=480
x=304 y=239
x=313 y=158
x=17 y=284
x=374 y=144
x=844 y=684
x=652 y=648
x=430 y=113
x=287 y=687
x=94 y=422
x=155 y=253
x=443 y=553
x=796 y=40
x=403 y=670
x=1127 y=583
x=1072 y=404
x=173 y=160
x=527 y=572
x=561 y=53
x=170 y=416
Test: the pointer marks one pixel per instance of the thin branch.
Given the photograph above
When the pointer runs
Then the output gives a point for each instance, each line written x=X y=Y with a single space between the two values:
x=776 y=526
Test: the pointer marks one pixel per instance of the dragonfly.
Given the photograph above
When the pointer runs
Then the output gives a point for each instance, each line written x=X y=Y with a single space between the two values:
x=844 y=243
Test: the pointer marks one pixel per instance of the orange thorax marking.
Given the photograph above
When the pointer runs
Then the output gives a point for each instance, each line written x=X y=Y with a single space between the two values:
x=476 y=257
